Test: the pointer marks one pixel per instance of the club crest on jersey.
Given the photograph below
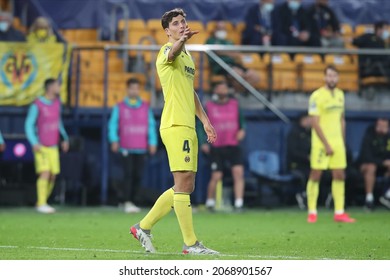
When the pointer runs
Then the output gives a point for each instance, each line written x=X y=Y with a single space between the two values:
x=187 y=159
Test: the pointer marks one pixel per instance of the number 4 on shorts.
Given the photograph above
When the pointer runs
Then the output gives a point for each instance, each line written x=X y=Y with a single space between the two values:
x=186 y=146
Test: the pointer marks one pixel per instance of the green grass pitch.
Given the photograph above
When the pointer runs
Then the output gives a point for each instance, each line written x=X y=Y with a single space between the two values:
x=101 y=233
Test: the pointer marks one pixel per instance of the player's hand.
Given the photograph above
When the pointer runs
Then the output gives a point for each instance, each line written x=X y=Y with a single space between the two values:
x=65 y=146
x=36 y=148
x=188 y=33
x=115 y=147
x=240 y=134
x=210 y=132
x=386 y=163
x=328 y=150
x=205 y=148
x=2 y=147
x=152 y=150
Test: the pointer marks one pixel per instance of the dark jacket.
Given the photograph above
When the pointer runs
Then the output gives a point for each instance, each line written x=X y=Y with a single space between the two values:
x=286 y=20
x=251 y=35
x=298 y=148
x=375 y=148
x=12 y=35
x=321 y=18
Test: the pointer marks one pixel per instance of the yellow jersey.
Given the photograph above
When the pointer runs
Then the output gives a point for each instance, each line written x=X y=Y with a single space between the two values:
x=177 y=81
x=330 y=109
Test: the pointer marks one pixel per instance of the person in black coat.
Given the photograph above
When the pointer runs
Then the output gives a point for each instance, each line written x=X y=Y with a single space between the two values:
x=373 y=65
x=292 y=25
x=374 y=159
x=298 y=155
x=258 y=24
x=325 y=26
x=7 y=32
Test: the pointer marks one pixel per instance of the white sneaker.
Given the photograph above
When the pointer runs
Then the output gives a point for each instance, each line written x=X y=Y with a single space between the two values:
x=131 y=208
x=198 y=249
x=143 y=237
x=45 y=209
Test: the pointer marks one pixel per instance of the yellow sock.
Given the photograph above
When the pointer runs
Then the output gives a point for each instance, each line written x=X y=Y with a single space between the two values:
x=338 y=191
x=312 y=191
x=183 y=210
x=42 y=191
x=50 y=187
x=161 y=207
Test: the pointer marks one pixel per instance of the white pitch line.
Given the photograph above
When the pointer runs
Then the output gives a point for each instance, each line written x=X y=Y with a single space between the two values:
x=143 y=253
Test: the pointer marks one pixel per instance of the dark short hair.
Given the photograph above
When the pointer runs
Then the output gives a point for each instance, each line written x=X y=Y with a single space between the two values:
x=49 y=82
x=330 y=67
x=168 y=16
x=217 y=83
x=382 y=118
x=132 y=81
x=379 y=25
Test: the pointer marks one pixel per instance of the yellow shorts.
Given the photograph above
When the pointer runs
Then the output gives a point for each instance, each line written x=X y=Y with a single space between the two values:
x=181 y=144
x=47 y=159
x=320 y=161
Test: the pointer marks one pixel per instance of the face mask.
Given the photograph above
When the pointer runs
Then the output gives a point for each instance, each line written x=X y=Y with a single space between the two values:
x=385 y=34
x=41 y=33
x=268 y=7
x=221 y=34
x=4 y=26
x=294 y=5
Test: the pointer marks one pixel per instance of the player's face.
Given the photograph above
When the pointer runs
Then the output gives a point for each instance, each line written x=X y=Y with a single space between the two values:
x=382 y=127
x=222 y=90
x=133 y=90
x=331 y=78
x=176 y=27
x=53 y=90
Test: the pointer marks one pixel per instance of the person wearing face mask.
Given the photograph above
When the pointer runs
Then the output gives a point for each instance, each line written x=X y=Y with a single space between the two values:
x=325 y=26
x=233 y=59
x=41 y=32
x=7 y=32
x=258 y=24
x=374 y=65
x=44 y=129
x=292 y=27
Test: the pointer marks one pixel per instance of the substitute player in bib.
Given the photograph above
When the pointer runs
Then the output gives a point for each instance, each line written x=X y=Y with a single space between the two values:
x=176 y=71
x=132 y=134
x=225 y=114
x=43 y=127
x=326 y=107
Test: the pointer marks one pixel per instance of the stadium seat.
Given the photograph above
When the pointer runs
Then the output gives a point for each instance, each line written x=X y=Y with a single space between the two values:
x=80 y=35
x=363 y=28
x=254 y=61
x=265 y=166
x=133 y=24
x=283 y=70
x=311 y=71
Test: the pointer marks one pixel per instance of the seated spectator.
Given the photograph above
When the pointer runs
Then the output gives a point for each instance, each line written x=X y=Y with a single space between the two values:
x=7 y=32
x=373 y=65
x=325 y=25
x=298 y=155
x=229 y=57
x=291 y=26
x=258 y=24
x=41 y=32
x=374 y=159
